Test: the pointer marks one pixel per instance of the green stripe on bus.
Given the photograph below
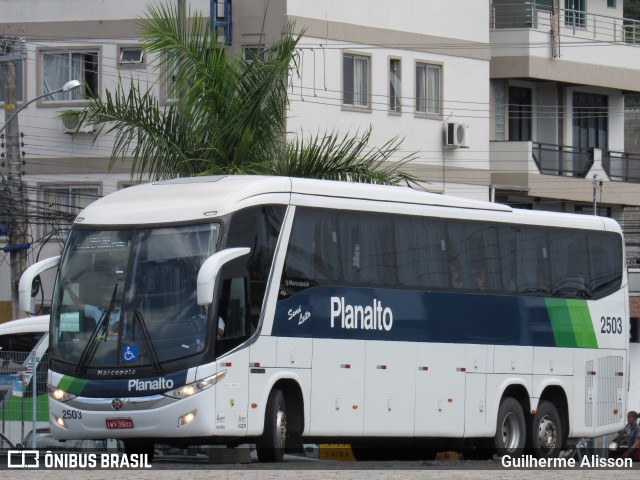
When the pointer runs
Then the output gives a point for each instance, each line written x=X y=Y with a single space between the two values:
x=561 y=322
x=72 y=385
x=571 y=323
x=582 y=323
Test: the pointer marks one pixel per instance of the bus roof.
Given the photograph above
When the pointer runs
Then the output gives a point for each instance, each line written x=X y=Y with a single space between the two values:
x=188 y=199
x=36 y=324
x=197 y=198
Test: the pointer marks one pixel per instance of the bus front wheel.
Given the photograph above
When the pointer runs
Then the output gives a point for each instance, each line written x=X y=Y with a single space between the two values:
x=546 y=431
x=270 y=446
x=510 y=428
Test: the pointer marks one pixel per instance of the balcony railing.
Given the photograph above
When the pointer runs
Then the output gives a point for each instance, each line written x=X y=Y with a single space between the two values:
x=562 y=160
x=621 y=166
x=536 y=15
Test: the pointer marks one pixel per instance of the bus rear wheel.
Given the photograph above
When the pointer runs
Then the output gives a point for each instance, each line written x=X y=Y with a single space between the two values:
x=270 y=446
x=510 y=428
x=546 y=431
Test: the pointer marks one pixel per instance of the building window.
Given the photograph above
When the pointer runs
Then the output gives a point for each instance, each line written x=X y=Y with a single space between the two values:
x=355 y=81
x=520 y=113
x=611 y=3
x=428 y=88
x=19 y=80
x=60 y=67
x=500 y=109
x=250 y=53
x=62 y=204
x=590 y=120
x=395 y=105
x=575 y=13
x=169 y=78
x=131 y=56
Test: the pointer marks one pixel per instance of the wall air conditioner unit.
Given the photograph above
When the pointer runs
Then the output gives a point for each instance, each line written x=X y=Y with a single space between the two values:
x=69 y=124
x=456 y=135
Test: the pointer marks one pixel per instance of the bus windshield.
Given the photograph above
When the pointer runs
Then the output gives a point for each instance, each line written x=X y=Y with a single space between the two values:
x=127 y=298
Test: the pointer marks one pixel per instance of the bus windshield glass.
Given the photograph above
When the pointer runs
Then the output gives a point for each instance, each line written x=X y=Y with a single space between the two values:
x=127 y=298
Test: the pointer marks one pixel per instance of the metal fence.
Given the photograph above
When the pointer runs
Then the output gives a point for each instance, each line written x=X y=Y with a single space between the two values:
x=24 y=411
x=562 y=160
x=579 y=23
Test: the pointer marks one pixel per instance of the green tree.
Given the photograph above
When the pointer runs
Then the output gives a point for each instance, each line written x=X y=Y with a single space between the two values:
x=230 y=114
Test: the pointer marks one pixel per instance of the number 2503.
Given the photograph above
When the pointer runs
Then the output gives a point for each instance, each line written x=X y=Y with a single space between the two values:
x=611 y=325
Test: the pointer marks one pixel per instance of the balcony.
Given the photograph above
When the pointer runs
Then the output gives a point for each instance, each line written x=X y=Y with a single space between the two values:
x=541 y=158
x=586 y=49
x=576 y=23
x=621 y=166
x=562 y=160
x=546 y=170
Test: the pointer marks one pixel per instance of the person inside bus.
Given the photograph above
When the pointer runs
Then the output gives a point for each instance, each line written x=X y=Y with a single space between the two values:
x=107 y=304
x=633 y=437
x=454 y=275
x=480 y=279
x=202 y=317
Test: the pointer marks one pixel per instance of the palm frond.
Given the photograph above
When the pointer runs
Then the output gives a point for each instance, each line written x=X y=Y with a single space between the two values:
x=330 y=157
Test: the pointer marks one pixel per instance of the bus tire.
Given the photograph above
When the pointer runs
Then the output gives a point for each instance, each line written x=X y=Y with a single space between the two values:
x=510 y=428
x=271 y=444
x=546 y=431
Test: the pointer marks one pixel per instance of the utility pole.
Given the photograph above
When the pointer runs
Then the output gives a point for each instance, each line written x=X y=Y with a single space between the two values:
x=596 y=185
x=17 y=219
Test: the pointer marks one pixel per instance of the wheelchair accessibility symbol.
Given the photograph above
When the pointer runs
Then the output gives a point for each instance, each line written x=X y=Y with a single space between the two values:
x=129 y=353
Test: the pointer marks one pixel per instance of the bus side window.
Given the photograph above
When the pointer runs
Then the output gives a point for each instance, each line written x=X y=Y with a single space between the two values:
x=421 y=252
x=313 y=256
x=232 y=309
x=368 y=249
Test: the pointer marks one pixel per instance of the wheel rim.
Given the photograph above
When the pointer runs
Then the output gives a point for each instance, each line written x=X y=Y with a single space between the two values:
x=511 y=433
x=281 y=428
x=547 y=434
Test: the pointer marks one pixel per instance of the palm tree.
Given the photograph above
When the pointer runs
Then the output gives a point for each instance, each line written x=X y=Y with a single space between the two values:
x=230 y=116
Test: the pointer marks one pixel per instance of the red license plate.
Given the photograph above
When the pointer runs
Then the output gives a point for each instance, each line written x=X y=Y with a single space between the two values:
x=119 y=423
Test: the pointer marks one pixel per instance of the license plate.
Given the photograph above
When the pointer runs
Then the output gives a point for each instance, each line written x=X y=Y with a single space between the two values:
x=119 y=423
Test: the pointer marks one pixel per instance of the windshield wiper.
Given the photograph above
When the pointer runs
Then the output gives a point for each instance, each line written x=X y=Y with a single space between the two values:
x=102 y=328
x=144 y=333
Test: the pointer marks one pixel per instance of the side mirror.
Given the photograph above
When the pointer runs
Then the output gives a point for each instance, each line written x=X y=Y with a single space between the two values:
x=26 y=281
x=209 y=271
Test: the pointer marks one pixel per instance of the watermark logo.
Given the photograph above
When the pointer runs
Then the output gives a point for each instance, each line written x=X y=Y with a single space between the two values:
x=72 y=460
x=23 y=459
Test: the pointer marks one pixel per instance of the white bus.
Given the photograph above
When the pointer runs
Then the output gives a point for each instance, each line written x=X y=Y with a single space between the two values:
x=19 y=340
x=23 y=344
x=245 y=309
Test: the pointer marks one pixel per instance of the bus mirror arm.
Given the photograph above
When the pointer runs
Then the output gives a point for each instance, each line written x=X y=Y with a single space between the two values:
x=209 y=271
x=26 y=281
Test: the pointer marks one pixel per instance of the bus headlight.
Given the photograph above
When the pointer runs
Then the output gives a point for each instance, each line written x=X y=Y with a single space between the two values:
x=186 y=419
x=59 y=395
x=195 y=387
x=613 y=446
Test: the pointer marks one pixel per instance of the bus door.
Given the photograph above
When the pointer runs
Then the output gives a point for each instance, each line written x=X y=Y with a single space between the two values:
x=440 y=390
x=231 y=327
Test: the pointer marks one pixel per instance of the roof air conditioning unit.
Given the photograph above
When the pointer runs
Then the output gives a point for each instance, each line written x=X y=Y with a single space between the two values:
x=69 y=124
x=456 y=135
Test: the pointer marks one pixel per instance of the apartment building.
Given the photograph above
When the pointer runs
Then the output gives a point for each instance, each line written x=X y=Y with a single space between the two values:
x=511 y=101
